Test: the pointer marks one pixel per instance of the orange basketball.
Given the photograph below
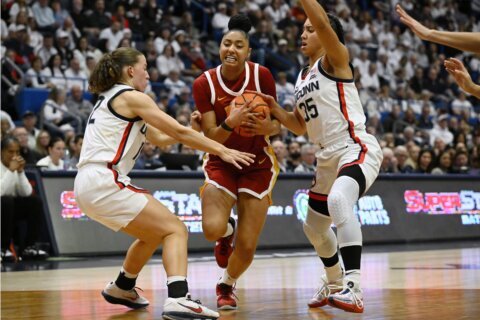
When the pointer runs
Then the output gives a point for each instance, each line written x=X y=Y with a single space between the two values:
x=260 y=107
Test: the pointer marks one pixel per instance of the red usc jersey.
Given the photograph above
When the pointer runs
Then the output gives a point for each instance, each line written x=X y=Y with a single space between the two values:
x=212 y=92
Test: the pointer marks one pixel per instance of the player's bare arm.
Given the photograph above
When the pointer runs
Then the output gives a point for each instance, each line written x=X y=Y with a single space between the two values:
x=335 y=51
x=143 y=106
x=159 y=138
x=466 y=41
x=292 y=120
x=456 y=68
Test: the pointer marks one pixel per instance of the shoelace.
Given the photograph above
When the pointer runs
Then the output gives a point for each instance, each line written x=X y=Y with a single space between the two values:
x=226 y=291
x=358 y=301
x=135 y=291
x=327 y=288
x=189 y=298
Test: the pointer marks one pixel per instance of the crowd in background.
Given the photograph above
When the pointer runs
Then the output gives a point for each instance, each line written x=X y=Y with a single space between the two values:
x=424 y=123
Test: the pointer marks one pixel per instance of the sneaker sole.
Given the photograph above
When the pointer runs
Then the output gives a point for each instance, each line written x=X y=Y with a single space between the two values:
x=318 y=304
x=344 y=306
x=227 y=307
x=124 y=302
x=176 y=315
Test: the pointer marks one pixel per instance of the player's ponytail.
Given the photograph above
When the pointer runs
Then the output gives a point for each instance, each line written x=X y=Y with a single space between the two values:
x=108 y=70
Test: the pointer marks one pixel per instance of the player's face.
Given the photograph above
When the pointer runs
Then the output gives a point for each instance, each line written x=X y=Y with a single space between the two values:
x=234 y=49
x=140 y=74
x=310 y=42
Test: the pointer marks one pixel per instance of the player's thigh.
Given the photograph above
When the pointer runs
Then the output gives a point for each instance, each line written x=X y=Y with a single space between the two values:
x=154 y=223
x=252 y=214
x=216 y=206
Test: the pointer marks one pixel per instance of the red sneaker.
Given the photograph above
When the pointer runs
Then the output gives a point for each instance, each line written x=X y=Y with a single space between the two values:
x=224 y=247
x=226 y=299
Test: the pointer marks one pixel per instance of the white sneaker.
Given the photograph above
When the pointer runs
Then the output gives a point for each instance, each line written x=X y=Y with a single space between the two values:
x=186 y=308
x=349 y=299
x=129 y=298
x=320 y=298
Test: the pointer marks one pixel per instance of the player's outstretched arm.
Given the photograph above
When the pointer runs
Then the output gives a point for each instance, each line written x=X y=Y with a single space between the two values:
x=292 y=120
x=466 y=41
x=456 y=68
x=143 y=106
x=336 y=52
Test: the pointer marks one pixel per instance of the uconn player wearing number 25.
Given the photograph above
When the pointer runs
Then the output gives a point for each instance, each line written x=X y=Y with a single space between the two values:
x=328 y=108
x=122 y=119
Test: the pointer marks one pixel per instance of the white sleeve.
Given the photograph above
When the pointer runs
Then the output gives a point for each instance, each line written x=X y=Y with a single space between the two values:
x=9 y=179
x=24 y=188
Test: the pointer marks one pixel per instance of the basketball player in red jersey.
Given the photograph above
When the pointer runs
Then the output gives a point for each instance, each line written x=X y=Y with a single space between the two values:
x=251 y=187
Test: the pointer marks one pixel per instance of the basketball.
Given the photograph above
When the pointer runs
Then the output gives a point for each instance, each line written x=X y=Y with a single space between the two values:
x=260 y=107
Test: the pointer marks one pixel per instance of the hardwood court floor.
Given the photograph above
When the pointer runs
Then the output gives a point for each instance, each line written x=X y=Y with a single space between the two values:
x=430 y=284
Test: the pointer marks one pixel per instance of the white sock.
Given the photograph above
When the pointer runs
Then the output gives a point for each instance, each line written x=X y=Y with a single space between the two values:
x=229 y=230
x=128 y=274
x=175 y=278
x=334 y=272
x=227 y=279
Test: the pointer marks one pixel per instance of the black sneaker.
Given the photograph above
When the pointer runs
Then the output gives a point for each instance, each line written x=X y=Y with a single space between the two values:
x=34 y=253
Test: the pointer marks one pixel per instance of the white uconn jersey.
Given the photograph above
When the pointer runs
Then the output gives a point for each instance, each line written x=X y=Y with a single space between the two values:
x=331 y=107
x=110 y=138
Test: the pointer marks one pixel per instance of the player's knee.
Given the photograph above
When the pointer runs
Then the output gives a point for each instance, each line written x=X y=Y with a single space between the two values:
x=338 y=207
x=213 y=230
x=315 y=227
x=246 y=250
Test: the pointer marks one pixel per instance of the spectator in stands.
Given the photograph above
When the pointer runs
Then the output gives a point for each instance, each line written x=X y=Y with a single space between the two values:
x=307 y=154
x=440 y=130
x=18 y=204
x=389 y=162
x=59 y=13
x=277 y=11
x=78 y=105
x=114 y=33
x=83 y=51
x=426 y=161
x=56 y=152
x=401 y=156
x=425 y=120
x=445 y=163
x=149 y=158
x=169 y=61
x=75 y=147
x=78 y=14
x=63 y=48
x=73 y=33
x=174 y=84
x=162 y=40
x=75 y=75
x=294 y=156
x=413 y=152
x=30 y=155
x=47 y=50
x=57 y=118
x=285 y=89
x=370 y=79
x=41 y=145
x=220 y=19
x=262 y=39
x=29 y=121
x=462 y=107
x=97 y=19
x=35 y=76
x=280 y=151
x=461 y=163
x=54 y=72
x=19 y=43
x=44 y=16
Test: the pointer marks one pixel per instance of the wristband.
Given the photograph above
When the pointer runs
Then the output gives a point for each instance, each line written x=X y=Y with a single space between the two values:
x=225 y=126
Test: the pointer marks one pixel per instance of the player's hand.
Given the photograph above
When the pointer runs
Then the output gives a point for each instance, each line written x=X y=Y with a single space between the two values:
x=258 y=126
x=419 y=29
x=236 y=157
x=196 y=121
x=458 y=71
x=239 y=115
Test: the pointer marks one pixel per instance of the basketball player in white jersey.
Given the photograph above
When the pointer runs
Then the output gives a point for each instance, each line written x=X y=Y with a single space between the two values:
x=122 y=119
x=328 y=108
